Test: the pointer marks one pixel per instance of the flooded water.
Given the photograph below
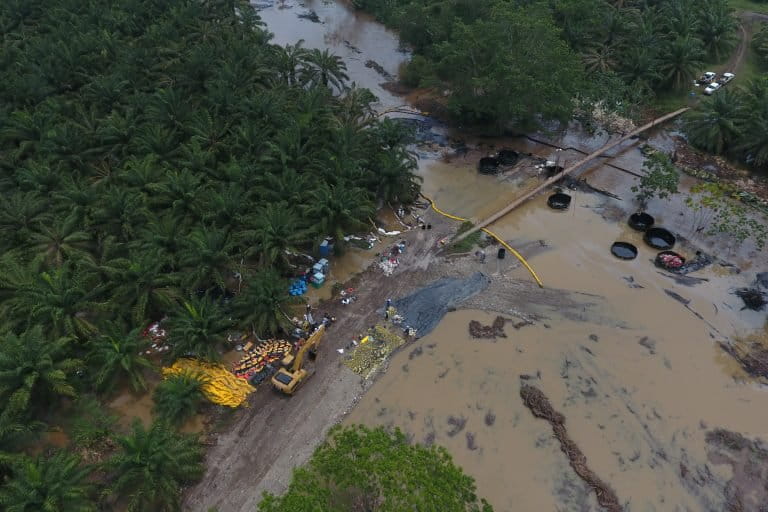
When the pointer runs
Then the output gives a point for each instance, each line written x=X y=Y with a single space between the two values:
x=128 y=406
x=350 y=34
x=637 y=373
x=638 y=398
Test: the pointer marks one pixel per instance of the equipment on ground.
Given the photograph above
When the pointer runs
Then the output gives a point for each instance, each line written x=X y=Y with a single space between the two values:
x=288 y=379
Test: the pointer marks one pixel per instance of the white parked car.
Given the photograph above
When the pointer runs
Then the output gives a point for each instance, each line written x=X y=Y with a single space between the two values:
x=711 y=88
x=706 y=78
x=727 y=77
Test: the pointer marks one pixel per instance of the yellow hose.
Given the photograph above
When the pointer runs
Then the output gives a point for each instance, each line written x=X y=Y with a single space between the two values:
x=491 y=234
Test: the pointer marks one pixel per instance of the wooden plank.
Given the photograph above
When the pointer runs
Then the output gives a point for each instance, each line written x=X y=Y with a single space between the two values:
x=554 y=179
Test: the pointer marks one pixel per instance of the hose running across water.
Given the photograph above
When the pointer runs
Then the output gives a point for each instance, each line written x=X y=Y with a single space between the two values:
x=492 y=235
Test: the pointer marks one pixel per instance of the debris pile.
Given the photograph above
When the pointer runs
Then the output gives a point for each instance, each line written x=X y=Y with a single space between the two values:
x=538 y=403
x=157 y=337
x=751 y=354
x=495 y=330
x=373 y=350
x=753 y=298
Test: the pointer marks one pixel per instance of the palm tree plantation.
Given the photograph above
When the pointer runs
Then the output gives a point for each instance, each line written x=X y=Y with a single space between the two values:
x=164 y=160
x=151 y=151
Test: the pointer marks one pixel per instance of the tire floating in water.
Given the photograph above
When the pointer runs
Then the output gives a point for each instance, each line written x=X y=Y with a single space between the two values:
x=559 y=201
x=641 y=221
x=624 y=250
x=488 y=165
x=660 y=238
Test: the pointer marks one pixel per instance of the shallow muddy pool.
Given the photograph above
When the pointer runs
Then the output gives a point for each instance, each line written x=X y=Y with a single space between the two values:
x=637 y=374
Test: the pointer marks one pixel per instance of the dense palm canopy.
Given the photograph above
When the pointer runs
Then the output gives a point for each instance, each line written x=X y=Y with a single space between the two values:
x=34 y=369
x=733 y=122
x=152 y=464
x=117 y=355
x=155 y=159
x=55 y=484
x=650 y=46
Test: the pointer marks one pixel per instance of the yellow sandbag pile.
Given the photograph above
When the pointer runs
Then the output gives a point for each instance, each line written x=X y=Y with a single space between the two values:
x=220 y=386
x=373 y=350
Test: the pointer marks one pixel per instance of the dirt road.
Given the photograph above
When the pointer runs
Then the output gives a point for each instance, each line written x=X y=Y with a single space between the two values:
x=275 y=433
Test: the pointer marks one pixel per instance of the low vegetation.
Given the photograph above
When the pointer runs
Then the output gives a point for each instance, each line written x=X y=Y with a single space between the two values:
x=521 y=64
x=374 y=469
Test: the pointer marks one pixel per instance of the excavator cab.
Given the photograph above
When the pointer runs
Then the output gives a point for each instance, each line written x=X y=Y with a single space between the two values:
x=289 y=378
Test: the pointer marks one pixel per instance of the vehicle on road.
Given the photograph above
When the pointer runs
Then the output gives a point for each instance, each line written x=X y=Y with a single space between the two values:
x=727 y=77
x=706 y=78
x=293 y=374
x=712 y=88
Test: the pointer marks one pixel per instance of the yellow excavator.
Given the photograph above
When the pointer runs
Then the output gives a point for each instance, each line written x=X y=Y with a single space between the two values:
x=292 y=375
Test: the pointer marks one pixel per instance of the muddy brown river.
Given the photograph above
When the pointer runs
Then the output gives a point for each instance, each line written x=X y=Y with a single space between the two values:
x=637 y=373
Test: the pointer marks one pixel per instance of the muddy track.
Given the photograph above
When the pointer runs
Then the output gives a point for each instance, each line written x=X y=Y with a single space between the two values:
x=274 y=434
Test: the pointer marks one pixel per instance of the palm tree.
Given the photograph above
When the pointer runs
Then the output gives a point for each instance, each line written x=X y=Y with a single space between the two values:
x=715 y=124
x=152 y=466
x=120 y=212
x=25 y=131
x=207 y=258
x=225 y=206
x=640 y=66
x=259 y=305
x=33 y=369
x=178 y=398
x=197 y=327
x=681 y=61
x=329 y=67
x=60 y=300
x=162 y=236
x=680 y=17
x=288 y=60
x=60 y=240
x=179 y=191
x=393 y=177
x=116 y=355
x=19 y=213
x=275 y=230
x=338 y=208
x=754 y=143
x=55 y=484
x=718 y=28
x=599 y=59
x=139 y=284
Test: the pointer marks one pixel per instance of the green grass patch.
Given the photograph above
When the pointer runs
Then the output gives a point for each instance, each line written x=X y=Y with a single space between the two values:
x=752 y=68
x=749 y=5
x=466 y=244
